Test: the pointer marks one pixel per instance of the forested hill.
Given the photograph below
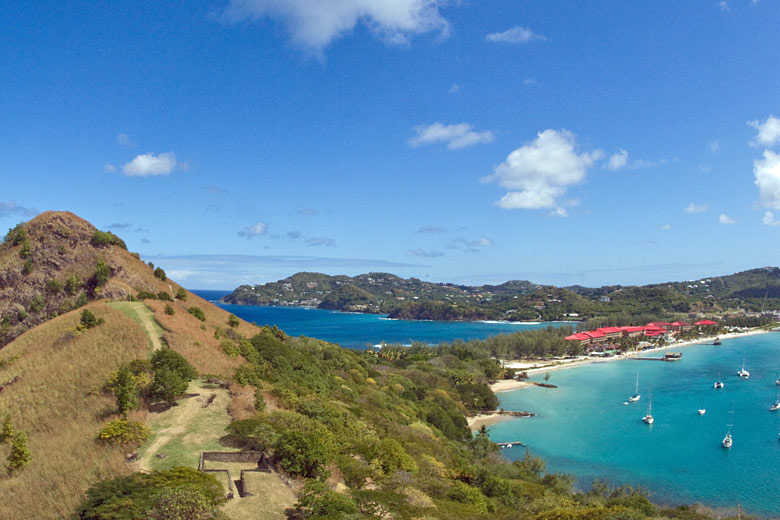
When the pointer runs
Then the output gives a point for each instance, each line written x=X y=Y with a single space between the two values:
x=517 y=300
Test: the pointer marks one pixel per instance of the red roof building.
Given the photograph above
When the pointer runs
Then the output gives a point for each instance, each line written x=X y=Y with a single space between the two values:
x=705 y=323
x=596 y=336
x=665 y=324
x=632 y=331
x=681 y=326
x=610 y=332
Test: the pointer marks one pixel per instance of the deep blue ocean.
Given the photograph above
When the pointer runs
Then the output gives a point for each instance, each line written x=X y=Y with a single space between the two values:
x=584 y=428
x=362 y=330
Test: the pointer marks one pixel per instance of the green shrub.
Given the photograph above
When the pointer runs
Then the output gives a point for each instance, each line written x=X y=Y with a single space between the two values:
x=233 y=321
x=20 y=454
x=72 y=284
x=169 y=310
x=252 y=434
x=37 y=304
x=16 y=235
x=145 y=295
x=106 y=238
x=53 y=286
x=305 y=448
x=102 y=273
x=181 y=294
x=88 y=320
x=172 y=375
x=7 y=433
x=123 y=431
x=197 y=312
x=164 y=296
x=159 y=273
x=229 y=348
x=25 y=252
x=125 y=390
x=27 y=267
x=259 y=400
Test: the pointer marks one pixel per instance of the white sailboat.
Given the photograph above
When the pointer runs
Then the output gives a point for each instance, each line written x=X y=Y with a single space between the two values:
x=702 y=410
x=649 y=417
x=636 y=395
x=744 y=374
x=727 y=440
x=776 y=405
x=718 y=384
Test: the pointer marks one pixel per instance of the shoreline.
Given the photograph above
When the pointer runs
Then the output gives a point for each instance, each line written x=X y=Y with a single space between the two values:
x=533 y=367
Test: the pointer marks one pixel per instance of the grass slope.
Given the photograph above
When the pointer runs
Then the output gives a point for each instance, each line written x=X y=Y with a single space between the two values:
x=55 y=403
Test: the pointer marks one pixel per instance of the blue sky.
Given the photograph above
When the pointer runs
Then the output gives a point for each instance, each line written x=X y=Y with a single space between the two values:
x=240 y=141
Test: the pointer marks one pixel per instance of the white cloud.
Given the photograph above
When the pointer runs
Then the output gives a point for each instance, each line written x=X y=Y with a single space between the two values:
x=666 y=227
x=516 y=34
x=455 y=88
x=696 y=208
x=724 y=5
x=148 y=164
x=314 y=24
x=109 y=167
x=124 y=140
x=255 y=230
x=456 y=136
x=559 y=212
x=617 y=160
x=768 y=131
x=769 y=219
x=12 y=208
x=530 y=81
x=714 y=146
x=539 y=172
x=725 y=219
x=767 y=172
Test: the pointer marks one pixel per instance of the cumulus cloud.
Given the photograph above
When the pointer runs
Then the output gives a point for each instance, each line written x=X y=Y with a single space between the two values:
x=769 y=219
x=148 y=164
x=696 y=208
x=456 y=136
x=321 y=242
x=538 y=173
x=767 y=173
x=12 y=208
x=255 y=230
x=424 y=254
x=514 y=35
x=768 y=131
x=725 y=219
x=315 y=24
x=617 y=160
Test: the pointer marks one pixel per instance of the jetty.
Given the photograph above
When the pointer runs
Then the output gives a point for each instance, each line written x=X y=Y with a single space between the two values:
x=669 y=356
x=510 y=444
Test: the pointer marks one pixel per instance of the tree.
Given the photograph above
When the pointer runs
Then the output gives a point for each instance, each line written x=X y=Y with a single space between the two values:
x=233 y=321
x=7 y=432
x=102 y=273
x=88 y=320
x=20 y=454
x=305 y=448
x=125 y=391
x=172 y=374
x=159 y=273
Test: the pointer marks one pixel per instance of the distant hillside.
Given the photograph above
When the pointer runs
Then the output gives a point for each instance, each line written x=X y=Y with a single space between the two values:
x=516 y=300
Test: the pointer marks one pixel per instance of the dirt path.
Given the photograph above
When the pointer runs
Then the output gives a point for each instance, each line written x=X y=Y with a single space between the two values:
x=145 y=317
x=185 y=430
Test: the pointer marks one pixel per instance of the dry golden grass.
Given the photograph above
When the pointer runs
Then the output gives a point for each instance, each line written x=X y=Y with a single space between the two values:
x=54 y=402
x=242 y=402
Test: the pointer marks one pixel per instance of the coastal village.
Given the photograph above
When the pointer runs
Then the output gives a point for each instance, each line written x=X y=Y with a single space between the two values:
x=605 y=339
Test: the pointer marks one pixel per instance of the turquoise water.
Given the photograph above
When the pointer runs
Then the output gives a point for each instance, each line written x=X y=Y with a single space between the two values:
x=361 y=330
x=584 y=428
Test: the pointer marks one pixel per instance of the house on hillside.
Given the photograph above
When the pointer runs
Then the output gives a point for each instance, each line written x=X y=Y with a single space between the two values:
x=681 y=326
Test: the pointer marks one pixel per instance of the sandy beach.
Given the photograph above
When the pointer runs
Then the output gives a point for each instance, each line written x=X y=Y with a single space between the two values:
x=486 y=419
x=543 y=366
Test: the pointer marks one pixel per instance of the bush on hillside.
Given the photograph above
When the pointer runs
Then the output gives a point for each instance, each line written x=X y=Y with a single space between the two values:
x=197 y=312
x=145 y=295
x=7 y=433
x=172 y=374
x=160 y=274
x=102 y=273
x=169 y=310
x=181 y=294
x=106 y=238
x=123 y=431
x=88 y=320
x=72 y=284
x=150 y=495
x=233 y=321
x=27 y=267
x=20 y=454
x=164 y=296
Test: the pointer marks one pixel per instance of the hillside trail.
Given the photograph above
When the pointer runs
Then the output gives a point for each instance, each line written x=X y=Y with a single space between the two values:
x=144 y=317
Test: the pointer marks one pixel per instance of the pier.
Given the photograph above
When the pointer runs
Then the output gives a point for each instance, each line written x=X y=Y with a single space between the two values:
x=510 y=444
x=670 y=356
